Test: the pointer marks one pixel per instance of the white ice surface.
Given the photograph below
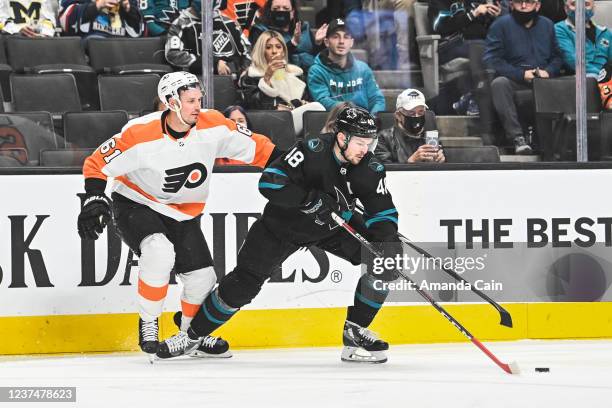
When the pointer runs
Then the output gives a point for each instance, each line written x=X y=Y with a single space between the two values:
x=439 y=375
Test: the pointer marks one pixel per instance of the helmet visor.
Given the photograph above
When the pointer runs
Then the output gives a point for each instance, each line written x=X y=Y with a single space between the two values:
x=363 y=141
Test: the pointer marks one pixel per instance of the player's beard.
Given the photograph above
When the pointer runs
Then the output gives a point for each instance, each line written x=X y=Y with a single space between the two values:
x=355 y=159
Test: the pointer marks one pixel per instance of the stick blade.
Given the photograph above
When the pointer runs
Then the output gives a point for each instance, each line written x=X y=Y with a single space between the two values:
x=506 y=319
x=513 y=368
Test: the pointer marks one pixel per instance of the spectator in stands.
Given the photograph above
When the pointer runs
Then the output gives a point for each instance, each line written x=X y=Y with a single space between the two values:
x=282 y=16
x=462 y=23
x=516 y=64
x=242 y=12
x=159 y=14
x=183 y=46
x=337 y=76
x=28 y=18
x=405 y=141
x=271 y=82
x=598 y=40
x=101 y=18
x=238 y=115
x=553 y=9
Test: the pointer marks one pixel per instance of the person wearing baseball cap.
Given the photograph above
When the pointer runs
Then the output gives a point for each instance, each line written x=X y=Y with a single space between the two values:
x=335 y=25
x=405 y=141
x=336 y=76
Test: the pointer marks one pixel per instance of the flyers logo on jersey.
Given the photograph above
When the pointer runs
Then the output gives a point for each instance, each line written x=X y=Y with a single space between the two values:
x=190 y=176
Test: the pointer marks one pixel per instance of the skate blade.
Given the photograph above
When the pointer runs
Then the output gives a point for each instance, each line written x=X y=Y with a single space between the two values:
x=360 y=355
x=152 y=358
x=202 y=354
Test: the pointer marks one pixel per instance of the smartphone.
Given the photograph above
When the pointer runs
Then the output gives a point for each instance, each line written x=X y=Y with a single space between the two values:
x=431 y=138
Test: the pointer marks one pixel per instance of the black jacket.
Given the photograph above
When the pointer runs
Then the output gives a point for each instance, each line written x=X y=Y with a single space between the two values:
x=183 y=46
x=393 y=147
x=451 y=18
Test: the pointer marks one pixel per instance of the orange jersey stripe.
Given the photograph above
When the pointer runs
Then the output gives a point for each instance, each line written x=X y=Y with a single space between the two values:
x=263 y=150
x=189 y=309
x=135 y=134
x=152 y=293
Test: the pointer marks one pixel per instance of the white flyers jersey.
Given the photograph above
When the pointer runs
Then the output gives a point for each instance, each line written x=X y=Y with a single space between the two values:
x=172 y=176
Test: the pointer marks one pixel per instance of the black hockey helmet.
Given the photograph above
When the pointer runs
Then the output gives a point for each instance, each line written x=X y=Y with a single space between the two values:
x=354 y=121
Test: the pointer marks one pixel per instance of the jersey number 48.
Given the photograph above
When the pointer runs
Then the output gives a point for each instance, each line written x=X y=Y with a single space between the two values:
x=382 y=187
x=294 y=157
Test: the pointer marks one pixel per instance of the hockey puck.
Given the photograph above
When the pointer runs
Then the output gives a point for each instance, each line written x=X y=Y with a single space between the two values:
x=542 y=369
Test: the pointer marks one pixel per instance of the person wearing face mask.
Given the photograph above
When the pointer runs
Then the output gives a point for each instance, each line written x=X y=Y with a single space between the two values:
x=282 y=16
x=598 y=40
x=405 y=141
x=519 y=47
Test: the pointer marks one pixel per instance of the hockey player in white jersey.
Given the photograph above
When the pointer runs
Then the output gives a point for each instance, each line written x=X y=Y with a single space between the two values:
x=162 y=165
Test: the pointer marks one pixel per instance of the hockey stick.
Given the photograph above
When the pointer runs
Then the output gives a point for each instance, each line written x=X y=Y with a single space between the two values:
x=511 y=368
x=506 y=318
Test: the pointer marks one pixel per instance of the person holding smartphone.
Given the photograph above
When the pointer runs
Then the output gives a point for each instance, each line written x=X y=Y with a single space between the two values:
x=413 y=137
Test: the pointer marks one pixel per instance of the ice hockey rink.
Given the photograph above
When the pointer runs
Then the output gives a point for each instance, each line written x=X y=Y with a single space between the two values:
x=436 y=375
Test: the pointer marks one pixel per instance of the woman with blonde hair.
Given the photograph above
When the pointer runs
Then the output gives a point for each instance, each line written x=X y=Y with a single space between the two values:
x=272 y=83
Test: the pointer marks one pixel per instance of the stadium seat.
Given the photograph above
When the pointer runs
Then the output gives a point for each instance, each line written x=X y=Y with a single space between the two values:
x=55 y=93
x=24 y=135
x=387 y=119
x=433 y=73
x=128 y=55
x=5 y=71
x=398 y=80
x=555 y=107
x=91 y=129
x=8 y=161
x=476 y=154
x=225 y=93
x=42 y=120
x=606 y=135
x=41 y=55
x=313 y=123
x=55 y=55
x=277 y=125
x=64 y=157
x=130 y=93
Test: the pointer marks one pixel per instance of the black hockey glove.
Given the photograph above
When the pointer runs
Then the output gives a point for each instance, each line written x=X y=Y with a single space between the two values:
x=319 y=206
x=94 y=216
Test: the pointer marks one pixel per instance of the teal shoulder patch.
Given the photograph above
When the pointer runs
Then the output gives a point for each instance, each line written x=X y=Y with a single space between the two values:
x=375 y=165
x=315 y=145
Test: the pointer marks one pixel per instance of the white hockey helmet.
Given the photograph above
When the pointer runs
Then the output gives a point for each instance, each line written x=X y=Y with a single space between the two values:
x=170 y=85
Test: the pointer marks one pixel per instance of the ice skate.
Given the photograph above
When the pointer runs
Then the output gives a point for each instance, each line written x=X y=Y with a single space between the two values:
x=362 y=345
x=177 y=345
x=211 y=347
x=148 y=336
